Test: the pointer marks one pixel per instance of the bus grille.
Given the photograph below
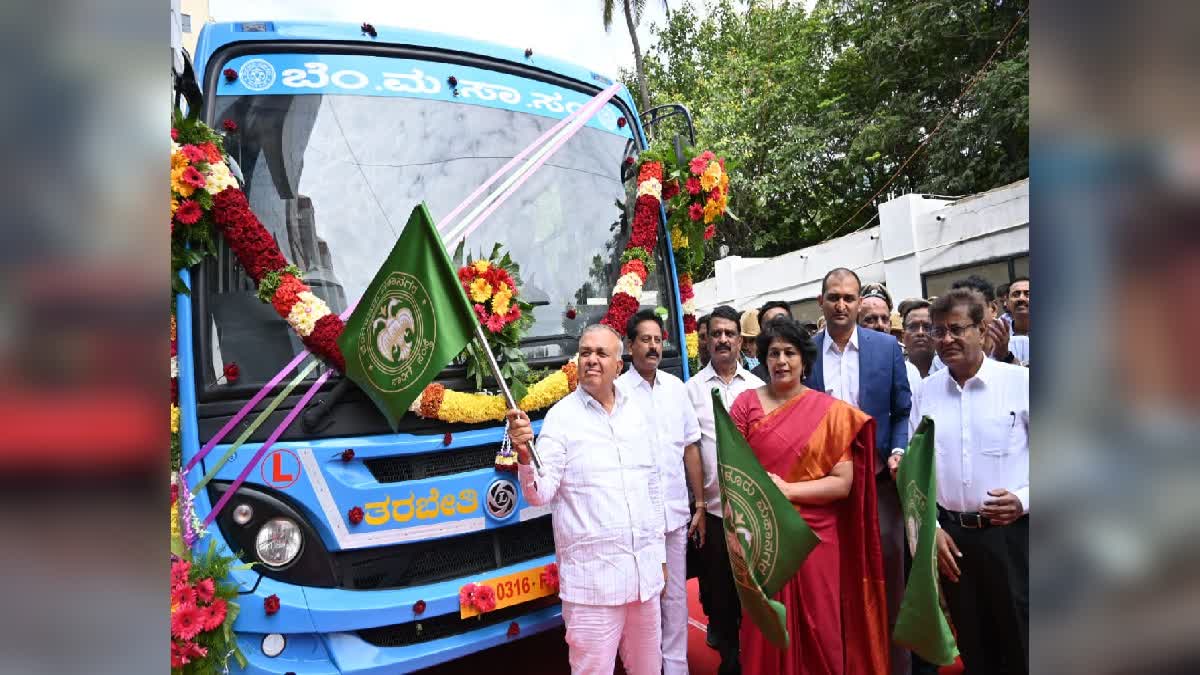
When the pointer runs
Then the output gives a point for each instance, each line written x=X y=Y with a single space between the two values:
x=427 y=562
x=431 y=464
x=446 y=625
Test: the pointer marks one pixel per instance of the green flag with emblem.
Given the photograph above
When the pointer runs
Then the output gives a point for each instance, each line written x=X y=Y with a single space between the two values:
x=766 y=538
x=921 y=626
x=412 y=320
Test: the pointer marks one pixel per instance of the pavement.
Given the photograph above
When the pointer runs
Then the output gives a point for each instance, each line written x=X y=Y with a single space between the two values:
x=546 y=653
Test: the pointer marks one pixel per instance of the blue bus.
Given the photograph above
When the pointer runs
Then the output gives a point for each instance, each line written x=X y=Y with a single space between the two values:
x=339 y=134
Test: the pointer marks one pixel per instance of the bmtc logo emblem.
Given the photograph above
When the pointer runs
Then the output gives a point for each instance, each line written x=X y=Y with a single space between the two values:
x=256 y=75
x=501 y=499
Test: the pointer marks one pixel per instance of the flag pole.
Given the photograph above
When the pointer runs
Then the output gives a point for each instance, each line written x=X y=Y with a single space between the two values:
x=508 y=397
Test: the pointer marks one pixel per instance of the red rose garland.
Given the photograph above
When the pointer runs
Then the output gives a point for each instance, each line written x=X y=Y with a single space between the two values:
x=639 y=252
x=292 y=299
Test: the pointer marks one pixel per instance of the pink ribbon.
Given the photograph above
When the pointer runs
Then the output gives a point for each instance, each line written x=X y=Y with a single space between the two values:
x=287 y=421
x=590 y=107
x=576 y=119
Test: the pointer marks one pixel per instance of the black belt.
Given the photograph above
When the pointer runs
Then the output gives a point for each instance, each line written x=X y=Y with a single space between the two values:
x=971 y=521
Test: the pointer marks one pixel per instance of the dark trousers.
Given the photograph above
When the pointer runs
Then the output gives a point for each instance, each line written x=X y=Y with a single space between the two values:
x=990 y=603
x=892 y=546
x=718 y=594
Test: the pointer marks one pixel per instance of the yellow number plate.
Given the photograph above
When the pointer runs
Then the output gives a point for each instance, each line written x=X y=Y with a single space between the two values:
x=513 y=589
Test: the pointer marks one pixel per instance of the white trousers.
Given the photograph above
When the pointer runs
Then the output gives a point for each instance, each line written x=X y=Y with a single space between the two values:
x=596 y=632
x=674 y=606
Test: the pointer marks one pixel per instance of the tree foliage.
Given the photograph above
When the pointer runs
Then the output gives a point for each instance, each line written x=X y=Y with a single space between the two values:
x=817 y=111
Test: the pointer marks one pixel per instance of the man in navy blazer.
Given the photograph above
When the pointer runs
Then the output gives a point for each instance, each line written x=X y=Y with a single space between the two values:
x=865 y=368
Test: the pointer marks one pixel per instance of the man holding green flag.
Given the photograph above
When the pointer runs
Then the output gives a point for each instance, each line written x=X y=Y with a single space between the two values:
x=412 y=321
x=921 y=625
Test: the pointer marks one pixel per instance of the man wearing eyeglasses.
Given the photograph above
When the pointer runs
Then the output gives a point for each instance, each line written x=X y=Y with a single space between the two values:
x=875 y=309
x=980 y=409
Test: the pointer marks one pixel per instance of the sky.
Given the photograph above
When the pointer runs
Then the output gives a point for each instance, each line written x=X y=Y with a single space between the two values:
x=571 y=30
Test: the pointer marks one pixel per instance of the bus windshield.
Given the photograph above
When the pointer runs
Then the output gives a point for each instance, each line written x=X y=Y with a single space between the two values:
x=334 y=178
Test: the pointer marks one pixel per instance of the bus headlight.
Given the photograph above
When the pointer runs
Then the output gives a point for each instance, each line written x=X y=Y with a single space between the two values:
x=278 y=542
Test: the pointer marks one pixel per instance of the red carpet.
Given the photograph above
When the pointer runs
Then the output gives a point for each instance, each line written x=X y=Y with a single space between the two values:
x=546 y=654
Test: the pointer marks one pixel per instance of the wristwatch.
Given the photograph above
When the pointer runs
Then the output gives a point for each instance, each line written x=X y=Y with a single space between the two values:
x=699 y=504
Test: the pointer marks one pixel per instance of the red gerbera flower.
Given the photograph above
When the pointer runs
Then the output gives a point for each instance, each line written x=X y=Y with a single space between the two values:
x=271 y=604
x=514 y=313
x=193 y=153
x=698 y=165
x=189 y=212
x=355 y=515
x=174 y=134
x=205 y=589
x=466 y=595
x=178 y=655
x=670 y=189
x=495 y=323
x=192 y=177
x=696 y=212
x=549 y=576
x=214 y=614
x=187 y=621
x=179 y=572
x=183 y=594
x=693 y=186
x=485 y=598
x=230 y=126
x=709 y=231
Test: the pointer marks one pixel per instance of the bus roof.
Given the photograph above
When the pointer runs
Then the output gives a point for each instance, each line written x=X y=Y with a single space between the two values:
x=214 y=36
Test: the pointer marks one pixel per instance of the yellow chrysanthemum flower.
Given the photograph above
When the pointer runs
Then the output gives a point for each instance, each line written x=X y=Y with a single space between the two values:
x=177 y=184
x=711 y=177
x=174 y=206
x=712 y=210
x=724 y=182
x=470 y=408
x=546 y=392
x=481 y=290
x=174 y=419
x=693 y=345
x=175 y=528
x=178 y=161
x=482 y=266
x=503 y=297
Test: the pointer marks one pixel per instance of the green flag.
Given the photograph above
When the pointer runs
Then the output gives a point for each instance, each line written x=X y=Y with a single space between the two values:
x=766 y=538
x=412 y=320
x=921 y=625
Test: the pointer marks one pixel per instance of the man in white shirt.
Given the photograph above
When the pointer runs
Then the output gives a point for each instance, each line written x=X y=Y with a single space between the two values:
x=1017 y=304
x=676 y=432
x=726 y=374
x=865 y=368
x=607 y=510
x=980 y=409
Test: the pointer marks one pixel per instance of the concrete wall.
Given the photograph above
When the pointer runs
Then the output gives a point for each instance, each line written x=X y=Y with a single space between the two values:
x=916 y=235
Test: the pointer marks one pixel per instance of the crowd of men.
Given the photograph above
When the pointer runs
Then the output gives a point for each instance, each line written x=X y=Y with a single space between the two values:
x=629 y=467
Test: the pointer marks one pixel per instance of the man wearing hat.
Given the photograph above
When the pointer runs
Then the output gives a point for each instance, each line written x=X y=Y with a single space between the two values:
x=749 y=343
x=875 y=309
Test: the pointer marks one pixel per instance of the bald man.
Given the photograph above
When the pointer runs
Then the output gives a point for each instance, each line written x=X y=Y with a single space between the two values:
x=606 y=503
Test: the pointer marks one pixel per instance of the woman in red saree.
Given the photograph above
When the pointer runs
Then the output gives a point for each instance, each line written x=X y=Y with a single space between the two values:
x=820 y=452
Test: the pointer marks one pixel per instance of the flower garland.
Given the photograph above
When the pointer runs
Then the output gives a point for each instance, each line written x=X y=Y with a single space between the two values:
x=637 y=262
x=696 y=197
x=205 y=196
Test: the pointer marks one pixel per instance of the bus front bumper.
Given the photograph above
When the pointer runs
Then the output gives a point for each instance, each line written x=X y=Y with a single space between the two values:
x=345 y=653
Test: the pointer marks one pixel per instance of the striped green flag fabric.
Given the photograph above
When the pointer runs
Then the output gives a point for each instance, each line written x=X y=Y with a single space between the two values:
x=766 y=538
x=921 y=625
x=413 y=319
